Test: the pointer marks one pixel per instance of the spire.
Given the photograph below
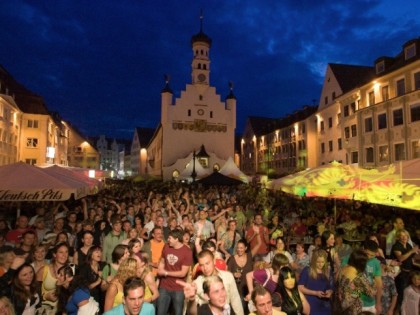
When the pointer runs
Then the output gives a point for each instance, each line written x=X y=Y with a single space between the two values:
x=201 y=37
x=167 y=88
x=231 y=95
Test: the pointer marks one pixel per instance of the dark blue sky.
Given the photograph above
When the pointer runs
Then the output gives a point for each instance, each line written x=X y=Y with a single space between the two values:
x=101 y=63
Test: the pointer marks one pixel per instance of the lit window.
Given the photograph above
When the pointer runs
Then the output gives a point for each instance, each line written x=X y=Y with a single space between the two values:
x=31 y=142
x=383 y=153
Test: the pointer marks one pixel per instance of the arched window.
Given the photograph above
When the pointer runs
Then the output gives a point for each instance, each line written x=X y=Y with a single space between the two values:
x=202 y=52
x=175 y=174
x=204 y=66
x=199 y=66
x=216 y=167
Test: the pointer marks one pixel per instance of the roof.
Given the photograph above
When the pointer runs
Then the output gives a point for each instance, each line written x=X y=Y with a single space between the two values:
x=27 y=101
x=351 y=76
x=262 y=125
x=145 y=135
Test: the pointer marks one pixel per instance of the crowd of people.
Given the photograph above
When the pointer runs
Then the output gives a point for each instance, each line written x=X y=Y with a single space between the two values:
x=169 y=248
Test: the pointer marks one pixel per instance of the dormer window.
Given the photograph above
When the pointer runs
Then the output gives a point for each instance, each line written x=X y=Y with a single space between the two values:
x=410 y=51
x=380 y=66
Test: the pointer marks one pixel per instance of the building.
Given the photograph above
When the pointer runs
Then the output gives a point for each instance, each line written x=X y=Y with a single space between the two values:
x=138 y=152
x=276 y=147
x=81 y=152
x=197 y=119
x=367 y=115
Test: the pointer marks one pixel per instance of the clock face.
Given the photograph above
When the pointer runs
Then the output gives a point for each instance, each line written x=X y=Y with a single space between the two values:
x=201 y=77
x=200 y=112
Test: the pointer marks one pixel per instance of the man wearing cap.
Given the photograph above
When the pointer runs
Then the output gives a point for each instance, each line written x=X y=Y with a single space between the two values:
x=113 y=238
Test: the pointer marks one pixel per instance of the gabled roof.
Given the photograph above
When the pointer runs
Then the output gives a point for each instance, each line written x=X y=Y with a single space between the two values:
x=145 y=135
x=262 y=125
x=351 y=76
x=27 y=101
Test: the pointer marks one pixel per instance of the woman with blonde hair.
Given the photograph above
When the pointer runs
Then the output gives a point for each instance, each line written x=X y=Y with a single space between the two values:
x=6 y=307
x=315 y=283
x=114 y=293
x=151 y=292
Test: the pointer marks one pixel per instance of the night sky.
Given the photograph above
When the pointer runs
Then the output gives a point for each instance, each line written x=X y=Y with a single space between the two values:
x=101 y=63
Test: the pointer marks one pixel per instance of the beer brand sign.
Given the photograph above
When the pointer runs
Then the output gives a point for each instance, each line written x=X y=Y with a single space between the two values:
x=38 y=195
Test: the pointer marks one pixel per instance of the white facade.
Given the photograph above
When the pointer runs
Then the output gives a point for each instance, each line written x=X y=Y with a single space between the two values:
x=198 y=117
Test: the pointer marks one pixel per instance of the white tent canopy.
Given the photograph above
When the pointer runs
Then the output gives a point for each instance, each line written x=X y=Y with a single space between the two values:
x=199 y=169
x=230 y=169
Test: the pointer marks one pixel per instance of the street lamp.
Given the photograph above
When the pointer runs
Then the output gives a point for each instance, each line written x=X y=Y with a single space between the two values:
x=194 y=173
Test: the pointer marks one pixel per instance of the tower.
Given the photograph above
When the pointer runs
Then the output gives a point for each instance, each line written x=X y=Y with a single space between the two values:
x=201 y=44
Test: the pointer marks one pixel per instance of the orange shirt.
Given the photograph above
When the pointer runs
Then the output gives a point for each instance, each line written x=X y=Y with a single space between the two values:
x=156 y=249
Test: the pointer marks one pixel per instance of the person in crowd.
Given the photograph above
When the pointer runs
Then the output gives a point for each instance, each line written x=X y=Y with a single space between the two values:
x=48 y=275
x=315 y=282
x=38 y=257
x=174 y=264
x=119 y=254
x=275 y=228
x=203 y=227
x=23 y=291
x=65 y=275
x=7 y=255
x=280 y=248
x=293 y=301
x=229 y=240
x=80 y=254
x=374 y=238
x=134 y=247
x=14 y=236
x=351 y=284
x=404 y=253
x=133 y=234
x=154 y=247
x=92 y=272
x=151 y=292
x=299 y=229
x=315 y=245
x=6 y=306
x=197 y=298
x=391 y=237
x=27 y=244
x=211 y=246
x=39 y=228
x=114 y=293
x=258 y=230
x=51 y=236
x=113 y=238
x=267 y=277
x=300 y=259
x=327 y=244
x=214 y=291
x=342 y=249
x=87 y=225
x=263 y=302
x=172 y=225
x=389 y=290
x=411 y=299
x=240 y=265
x=133 y=297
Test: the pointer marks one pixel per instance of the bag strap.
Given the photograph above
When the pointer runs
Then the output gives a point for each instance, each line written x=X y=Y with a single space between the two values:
x=268 y=276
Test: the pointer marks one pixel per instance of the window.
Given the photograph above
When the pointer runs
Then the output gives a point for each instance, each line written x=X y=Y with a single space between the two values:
x=382 y=121
x=400 y=87
x=385 y=93
x=30 y=161
x=330 y=145
x=417 y=80
x=399 y=152
x=346 y=110
x=32 y=123
x=415 y=112
x=347 y=132
x=330 y=123
x=189 y=112
x=410 y=51
x=355 y=157
x=368 y=124
x=353 y=107
x=398 y=117
x=321 y=126
x=415 y=149
x=339 y=144
x=383 y=153
x=333 y=95
x=31 y=142
x=369 y=155
x=326 y=100
x=211 y=114
x=380 y=66
x=322 y=147
x=371 y=98
x=353 y=130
